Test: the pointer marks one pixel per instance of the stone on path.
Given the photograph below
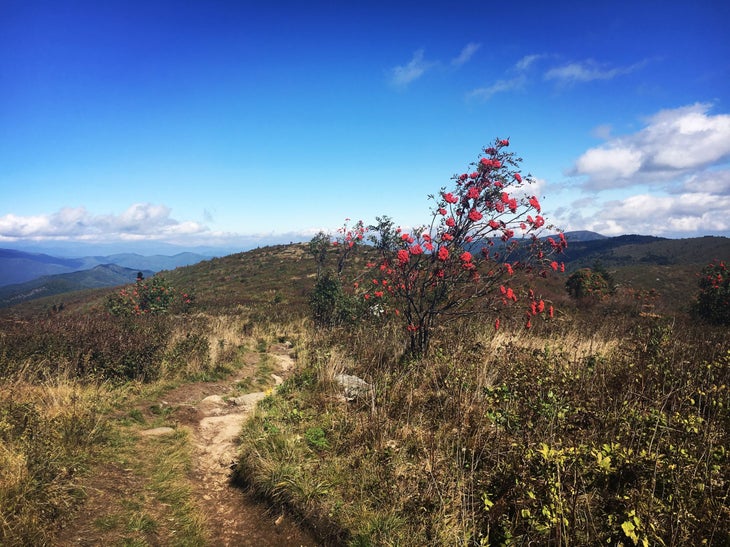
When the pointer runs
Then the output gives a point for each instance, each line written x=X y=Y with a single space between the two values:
x=157 y=431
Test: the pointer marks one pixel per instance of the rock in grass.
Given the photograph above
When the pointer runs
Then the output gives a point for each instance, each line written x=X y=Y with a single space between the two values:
x=352 y=386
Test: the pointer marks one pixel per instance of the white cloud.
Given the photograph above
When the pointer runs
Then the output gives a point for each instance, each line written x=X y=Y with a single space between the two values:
x=514 y=83
x=587 y=71
x=686 y=138
x=537 y=188
x=711 y=182
x=12 y=226
x=685 y=214
x=139 y=221
x=403 y=75
x=527 y=61
x=140 y=217
x=500 y=86
x=469 y=50
x=674 y=142
x=568 y=74
x=610 y=162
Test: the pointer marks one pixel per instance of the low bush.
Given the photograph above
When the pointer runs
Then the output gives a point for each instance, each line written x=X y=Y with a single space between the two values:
x=713 y=300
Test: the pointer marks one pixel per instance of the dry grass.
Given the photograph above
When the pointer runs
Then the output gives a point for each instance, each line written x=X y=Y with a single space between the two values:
x=49 y=433
x=557 y=436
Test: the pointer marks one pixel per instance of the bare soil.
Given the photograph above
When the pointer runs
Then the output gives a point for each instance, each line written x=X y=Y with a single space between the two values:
x=213 y=413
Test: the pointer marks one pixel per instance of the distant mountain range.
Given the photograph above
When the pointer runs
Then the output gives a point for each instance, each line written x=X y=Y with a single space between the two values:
x=628 y=250
x=105 y=275
x=19 y=266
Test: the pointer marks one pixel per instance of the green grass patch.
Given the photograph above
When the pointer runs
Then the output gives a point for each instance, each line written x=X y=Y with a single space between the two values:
x=153 y=503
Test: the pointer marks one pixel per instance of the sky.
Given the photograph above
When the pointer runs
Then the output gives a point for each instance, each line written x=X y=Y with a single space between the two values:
x=237 y=123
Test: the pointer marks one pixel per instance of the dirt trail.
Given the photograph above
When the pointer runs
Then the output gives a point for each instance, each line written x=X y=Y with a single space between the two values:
x=234 y=518
x=213 y=413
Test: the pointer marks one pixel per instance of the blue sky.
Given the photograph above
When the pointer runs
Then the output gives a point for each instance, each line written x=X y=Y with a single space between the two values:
x=238 y=123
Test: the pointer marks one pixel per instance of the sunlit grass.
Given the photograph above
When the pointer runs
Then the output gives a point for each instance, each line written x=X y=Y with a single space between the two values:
x=559 y=435
x=48 y=435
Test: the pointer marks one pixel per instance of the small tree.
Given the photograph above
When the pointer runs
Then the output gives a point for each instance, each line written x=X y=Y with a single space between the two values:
x=482 y=233
x=600 y=268
x=329 y=303
x=713 y=300
x=318 y=247
x=347 y=240
x=384 y=235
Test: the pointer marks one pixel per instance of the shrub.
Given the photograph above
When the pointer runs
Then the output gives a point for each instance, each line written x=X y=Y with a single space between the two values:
x=713 y=300
x=149 y=296
x=587 y=285
x=48 y=434
x=316 y=438
x=329 y=303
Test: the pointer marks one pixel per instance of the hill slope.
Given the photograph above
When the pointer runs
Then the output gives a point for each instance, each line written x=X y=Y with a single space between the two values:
x=632 y=250
x=285 y=273
x=107 y=275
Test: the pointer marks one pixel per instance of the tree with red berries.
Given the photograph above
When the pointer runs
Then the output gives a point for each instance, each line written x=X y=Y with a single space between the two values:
x=484 y=232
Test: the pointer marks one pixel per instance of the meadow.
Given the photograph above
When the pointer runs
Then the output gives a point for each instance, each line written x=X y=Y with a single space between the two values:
x=607 y=424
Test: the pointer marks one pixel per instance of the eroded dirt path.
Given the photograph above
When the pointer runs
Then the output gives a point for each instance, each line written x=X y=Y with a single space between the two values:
x=233 y=517
x=213 y=414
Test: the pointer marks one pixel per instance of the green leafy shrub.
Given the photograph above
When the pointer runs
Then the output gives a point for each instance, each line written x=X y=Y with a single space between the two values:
x=329 y=303
x=149 y=296
x=588 y=284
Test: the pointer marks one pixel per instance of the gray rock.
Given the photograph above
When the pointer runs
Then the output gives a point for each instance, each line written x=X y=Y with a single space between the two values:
x=352 y=386
x=249 y=400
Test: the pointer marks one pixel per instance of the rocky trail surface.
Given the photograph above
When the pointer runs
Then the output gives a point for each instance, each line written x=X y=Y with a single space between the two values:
x=212 y=413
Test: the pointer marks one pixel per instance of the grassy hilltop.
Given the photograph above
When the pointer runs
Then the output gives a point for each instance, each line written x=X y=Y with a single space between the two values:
x=607 y=425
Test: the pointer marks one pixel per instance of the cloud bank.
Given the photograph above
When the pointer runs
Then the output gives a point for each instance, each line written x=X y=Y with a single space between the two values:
x=674 y=173
x=673 y=143
x=139 y=221
x=142 y=224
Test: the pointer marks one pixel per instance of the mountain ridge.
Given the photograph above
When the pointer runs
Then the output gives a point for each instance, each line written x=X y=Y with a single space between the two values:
x=21 y=266
x=645 y=256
